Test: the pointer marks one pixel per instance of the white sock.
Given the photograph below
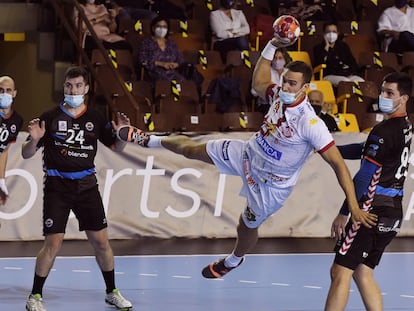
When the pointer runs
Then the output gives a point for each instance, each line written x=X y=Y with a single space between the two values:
x=232 y=261
x=154 y=141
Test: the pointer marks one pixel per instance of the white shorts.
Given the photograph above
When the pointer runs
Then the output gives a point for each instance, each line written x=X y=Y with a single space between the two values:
x=230 y=158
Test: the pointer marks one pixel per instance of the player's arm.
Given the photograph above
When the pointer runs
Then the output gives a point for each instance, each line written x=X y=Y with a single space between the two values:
x=333 y=157
x=3 y=188
x=121 y=120
x=36 y=130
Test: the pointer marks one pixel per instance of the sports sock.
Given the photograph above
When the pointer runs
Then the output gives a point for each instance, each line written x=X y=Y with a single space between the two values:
x=232 y=261
x=38 y=283
x=154 y=141
x=109 y=277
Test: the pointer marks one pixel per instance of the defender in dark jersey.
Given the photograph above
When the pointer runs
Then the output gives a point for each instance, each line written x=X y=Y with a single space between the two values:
x=68 y=135
x=379 y=185
x=10 y=124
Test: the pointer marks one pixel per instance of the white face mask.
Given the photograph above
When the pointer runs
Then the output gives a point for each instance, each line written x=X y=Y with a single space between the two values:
x=278 y=64
x=74 y=101
x=161 y=32
x=331 y=36
x=5 y=100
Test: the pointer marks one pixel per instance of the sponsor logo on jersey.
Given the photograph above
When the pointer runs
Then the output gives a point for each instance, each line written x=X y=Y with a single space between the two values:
x=13 y=128
x=89 y=126
x=372 y=150
x=267 y=149
x=225 y=150
x=62 y=126
x=77 y=154
x=313 y=121
x=75 y=126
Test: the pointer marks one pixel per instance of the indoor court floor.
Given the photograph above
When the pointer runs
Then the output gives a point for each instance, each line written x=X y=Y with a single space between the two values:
x=160 y=275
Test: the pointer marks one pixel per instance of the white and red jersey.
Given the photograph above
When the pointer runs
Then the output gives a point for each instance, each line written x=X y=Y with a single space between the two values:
x=289 y=134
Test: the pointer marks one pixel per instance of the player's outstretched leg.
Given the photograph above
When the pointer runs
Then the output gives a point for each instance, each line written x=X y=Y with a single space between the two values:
x=217 y=269
x=129 y=133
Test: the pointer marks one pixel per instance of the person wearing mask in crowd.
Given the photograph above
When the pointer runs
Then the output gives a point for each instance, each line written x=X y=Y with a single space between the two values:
x=159 y=55
x=11 y=123
x=336 y=54
x=280 y=60
x=103 y=23
x=323 y=109
x=64 y=133
x=229 y=29
x=270 y=161
x=396 y=26
x=379 y=186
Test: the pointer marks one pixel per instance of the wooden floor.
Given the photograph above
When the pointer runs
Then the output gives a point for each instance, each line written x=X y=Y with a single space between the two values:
x=182 y=246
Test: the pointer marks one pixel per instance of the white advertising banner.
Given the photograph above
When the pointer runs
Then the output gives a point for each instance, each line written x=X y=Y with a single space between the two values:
x=154 y=192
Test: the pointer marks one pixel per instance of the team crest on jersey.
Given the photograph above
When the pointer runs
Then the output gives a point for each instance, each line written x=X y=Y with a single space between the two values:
x=62 y=126
x=13 y=128
x=89 y=126
x=313 y=121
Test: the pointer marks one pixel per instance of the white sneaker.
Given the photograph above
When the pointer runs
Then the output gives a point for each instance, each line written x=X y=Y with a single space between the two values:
x=35 y=303
x=117 y=300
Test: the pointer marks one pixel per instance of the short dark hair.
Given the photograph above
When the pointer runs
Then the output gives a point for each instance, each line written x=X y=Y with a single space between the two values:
x=403 y=80
x=329 y=23
x=157 y=19
x=77 y=71
x=305 y=69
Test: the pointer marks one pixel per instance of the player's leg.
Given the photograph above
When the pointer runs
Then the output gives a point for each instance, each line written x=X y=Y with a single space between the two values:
x=339 y=290
x=368 y=288
x=187 y=147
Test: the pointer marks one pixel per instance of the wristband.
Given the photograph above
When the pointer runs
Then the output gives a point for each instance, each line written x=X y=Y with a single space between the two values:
x=269 y=51
x=3 y=186
x=154 y=141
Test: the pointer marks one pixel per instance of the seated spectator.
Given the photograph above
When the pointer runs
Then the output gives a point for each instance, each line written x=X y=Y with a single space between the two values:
x=103 y=24
x=396 y=26
x=229 y=29
x=323 y=109
x=336 y=54
x=304 y=10
x=280 y=60
x=128 y=11
x=159 y=55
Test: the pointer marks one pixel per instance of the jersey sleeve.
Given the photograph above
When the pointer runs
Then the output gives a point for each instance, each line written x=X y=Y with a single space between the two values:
x=375 y=147
x=107 y=134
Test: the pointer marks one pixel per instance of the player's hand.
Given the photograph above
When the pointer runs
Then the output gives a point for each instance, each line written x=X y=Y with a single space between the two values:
x=36 y=128
x=4 y=193
x=280 y=43
x=365 y=218
x=338 y=226
x=121 y=120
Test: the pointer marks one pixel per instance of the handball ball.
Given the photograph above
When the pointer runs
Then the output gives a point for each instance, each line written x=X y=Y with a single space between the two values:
x=286 y=29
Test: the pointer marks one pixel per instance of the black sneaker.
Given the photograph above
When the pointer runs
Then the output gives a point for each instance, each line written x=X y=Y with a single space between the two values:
x=129 y=133
x=217 y=269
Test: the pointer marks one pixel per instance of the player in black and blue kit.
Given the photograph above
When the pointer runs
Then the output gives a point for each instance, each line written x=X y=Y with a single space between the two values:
x=68 y=135
x=379 y=186
x=10 y=124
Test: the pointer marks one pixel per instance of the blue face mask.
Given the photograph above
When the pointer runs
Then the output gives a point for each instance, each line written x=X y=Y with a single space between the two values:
x=5 y=100
x=386 y=105
x=287 y=98
x=74 y=101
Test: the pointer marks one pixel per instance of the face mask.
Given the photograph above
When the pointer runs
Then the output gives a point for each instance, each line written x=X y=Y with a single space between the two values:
x=5 y=100
x=161 y=32
x=386 y=105
x=287 y=98
x=73 y=101
x=278 y=64
x=331 y=36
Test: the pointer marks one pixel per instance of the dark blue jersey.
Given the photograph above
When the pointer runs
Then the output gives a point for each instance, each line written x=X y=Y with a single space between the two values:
x=70 y=142
x=9 y=128
x=388 y=146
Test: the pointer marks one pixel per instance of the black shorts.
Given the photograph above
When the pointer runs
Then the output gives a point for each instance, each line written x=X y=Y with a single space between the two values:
x=81 y=196
x=369 y=244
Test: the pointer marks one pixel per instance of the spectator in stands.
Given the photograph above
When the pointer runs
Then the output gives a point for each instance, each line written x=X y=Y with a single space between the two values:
x=104 y=25
x=323 y=109
x=280 y=60
x=396 y=26
x=229 y=29
x=304 y=10
x=135 y=12
x=336 y=54
x=11 y=123
x=159 y=55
